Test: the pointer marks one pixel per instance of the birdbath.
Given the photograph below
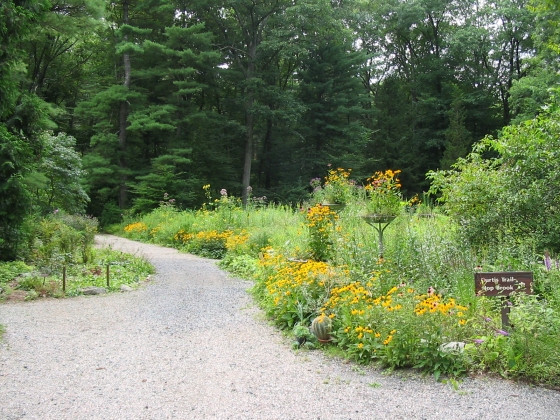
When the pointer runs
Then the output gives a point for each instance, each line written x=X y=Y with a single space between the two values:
x=379 y=222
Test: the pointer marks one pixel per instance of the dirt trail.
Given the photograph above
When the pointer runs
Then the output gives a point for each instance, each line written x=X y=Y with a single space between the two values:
x=190 y=344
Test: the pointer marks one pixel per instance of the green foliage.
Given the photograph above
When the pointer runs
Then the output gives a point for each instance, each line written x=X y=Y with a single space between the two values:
x=60 y=240
x=168 y=173
x=17 y=22
x=15 y=198
x=244 y=266
x=304 y=338
x=10 y=270
x=124 y=269
x=56 y=182
x=512 y=196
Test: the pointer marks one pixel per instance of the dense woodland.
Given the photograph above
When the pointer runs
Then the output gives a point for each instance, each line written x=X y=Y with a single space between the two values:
x=107 y=105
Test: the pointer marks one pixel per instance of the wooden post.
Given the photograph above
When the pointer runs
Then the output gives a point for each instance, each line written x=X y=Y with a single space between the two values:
x=64 y=279
x=108 y=276
x=505 y=313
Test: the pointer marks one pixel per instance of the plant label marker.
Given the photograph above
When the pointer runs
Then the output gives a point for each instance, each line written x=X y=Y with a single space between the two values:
x=503 y=284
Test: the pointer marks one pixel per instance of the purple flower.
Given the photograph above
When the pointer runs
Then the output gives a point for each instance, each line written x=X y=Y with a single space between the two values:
x=315 y=182
x=502 y=332
x=488 y=319
x=478 y=341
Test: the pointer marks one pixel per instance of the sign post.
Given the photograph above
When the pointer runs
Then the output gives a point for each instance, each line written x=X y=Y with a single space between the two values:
x=503 y=284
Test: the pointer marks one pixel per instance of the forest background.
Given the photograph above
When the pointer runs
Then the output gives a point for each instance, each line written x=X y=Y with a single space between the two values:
x=106 y=105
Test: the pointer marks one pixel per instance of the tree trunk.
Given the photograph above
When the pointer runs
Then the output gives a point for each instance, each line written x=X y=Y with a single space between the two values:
x=249 y=123
x=123 y=117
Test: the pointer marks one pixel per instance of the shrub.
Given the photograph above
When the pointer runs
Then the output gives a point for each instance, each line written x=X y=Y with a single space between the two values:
x=10 y=270
x=506 y=187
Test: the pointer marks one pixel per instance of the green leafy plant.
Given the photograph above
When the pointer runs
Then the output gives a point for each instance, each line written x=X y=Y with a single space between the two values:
x=303 y=337
x=336 y=189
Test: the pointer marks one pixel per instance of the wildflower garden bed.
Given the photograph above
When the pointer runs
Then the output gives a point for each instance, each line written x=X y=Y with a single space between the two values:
x=415 y=307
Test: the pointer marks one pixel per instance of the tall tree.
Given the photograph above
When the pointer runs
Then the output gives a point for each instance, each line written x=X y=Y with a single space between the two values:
x=22 y=117
x=242 y=26
x=335 y=100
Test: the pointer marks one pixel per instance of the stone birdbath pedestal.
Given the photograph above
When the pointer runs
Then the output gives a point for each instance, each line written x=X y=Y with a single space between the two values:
x=379 y=222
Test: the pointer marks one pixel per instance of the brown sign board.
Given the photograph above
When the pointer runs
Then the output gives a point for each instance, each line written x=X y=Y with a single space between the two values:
x=503 y=284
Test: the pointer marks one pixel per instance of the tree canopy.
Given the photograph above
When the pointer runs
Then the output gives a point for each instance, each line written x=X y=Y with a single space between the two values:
x=165 y=96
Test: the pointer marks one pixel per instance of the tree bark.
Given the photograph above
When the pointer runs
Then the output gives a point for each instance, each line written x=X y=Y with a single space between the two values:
x=123 y=120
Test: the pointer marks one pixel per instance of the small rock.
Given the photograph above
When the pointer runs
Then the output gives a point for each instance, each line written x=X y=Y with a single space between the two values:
x=125 y=288
x=453 y=347
x=94 y=290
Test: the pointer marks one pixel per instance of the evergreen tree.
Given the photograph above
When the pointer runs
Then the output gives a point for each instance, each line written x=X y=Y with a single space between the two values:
x=335 y=100
x=22 y=117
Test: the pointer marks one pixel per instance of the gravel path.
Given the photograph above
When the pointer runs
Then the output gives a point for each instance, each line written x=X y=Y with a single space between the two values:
x=191 y=345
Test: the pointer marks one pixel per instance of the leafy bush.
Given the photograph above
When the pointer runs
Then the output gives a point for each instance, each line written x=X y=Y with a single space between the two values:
x=506 y=189
x=10 y=270
x=61 y=239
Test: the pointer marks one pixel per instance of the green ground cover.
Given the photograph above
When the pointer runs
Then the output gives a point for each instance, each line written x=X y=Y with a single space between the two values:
x=59 y=260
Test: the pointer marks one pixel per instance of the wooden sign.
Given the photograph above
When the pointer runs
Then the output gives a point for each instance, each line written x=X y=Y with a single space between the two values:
x=503 y=284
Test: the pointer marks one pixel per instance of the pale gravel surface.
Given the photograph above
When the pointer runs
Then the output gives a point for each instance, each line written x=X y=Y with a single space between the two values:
x=192 y=345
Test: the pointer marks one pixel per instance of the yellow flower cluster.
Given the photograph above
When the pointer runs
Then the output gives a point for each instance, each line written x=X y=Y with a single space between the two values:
x=338 y=176
x=235 y=241
x=384 y=182
x=355 y=294
x=320 y=217
x=205 y=236
x=182 y=236
x=434 y=304
x=231 y=239
x=294 y=278
x=290 y=279
x=138 y=227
